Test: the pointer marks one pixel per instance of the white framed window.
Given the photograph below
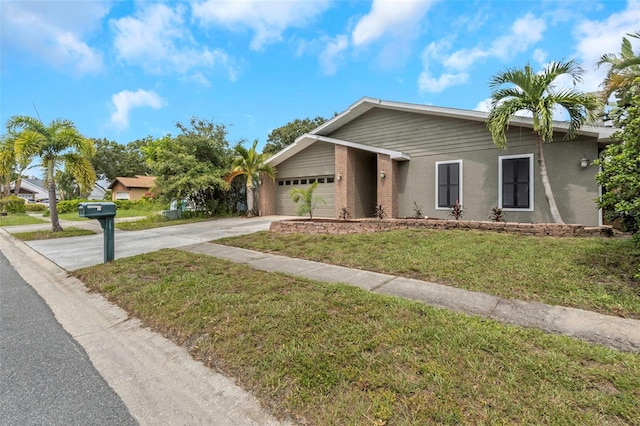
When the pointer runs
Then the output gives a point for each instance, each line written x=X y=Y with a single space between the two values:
x=448 y=184
x=515 y=182
x=122 y=195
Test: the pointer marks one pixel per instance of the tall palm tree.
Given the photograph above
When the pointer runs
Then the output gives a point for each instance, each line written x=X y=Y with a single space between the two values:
x=58 y=144
x=624 y=71
x=250 y=163
x=535 y=92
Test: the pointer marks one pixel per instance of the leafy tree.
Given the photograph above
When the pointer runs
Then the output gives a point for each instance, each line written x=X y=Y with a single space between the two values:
x=306 y=199
x=620 y=173
x=113 y=159
x=250 y=164
x=191 y=165
x=536 y=93
x=12 y=166
x=623 y=76
x=284 y=136
x=57 y=144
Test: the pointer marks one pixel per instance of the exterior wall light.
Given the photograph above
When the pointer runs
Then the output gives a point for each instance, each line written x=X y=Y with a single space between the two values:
x=584 y=162
x=382 y=174
x=339 y=176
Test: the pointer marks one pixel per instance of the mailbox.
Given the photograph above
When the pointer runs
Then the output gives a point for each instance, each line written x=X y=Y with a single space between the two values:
x=105 y=213
x=96 y=210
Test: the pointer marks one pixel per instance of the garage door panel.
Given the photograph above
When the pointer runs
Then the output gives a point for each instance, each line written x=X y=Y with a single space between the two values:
x=286 y=206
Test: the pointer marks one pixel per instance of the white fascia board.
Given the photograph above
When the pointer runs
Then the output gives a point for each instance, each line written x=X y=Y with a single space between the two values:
x=308 y=139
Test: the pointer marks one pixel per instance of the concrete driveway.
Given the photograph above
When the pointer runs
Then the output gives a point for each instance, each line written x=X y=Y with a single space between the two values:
x=79 y=252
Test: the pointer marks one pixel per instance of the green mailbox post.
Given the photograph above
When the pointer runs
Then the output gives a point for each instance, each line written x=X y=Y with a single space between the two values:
x=104 y=212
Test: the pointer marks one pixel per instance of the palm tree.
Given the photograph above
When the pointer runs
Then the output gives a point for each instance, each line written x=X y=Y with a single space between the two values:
x=624 y=71
x=536 y=93
x=308 y=201
x=57 y=144
x=251 y=164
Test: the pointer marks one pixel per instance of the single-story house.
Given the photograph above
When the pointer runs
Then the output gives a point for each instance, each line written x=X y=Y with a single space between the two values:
x=31 y=189
x=400 y=155
x=131 y=188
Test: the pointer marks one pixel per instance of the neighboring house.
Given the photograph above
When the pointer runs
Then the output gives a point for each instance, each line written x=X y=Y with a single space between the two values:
x=131 y=188
x=396 y=154
x=31 y=189
x=99 y=190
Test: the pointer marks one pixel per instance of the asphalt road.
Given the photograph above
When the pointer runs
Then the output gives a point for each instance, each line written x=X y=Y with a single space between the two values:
x=46 y=377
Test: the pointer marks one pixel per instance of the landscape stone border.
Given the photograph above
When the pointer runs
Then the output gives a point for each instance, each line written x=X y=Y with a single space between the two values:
x=333 y=226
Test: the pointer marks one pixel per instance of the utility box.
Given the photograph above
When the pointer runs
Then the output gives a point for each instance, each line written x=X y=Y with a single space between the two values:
x=105 y=213
x=96 y=210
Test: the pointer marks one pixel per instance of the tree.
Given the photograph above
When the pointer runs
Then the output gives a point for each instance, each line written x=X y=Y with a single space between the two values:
x=12 y=166
x=536 y=93
x=251 y=164
x=284 y=136
x=619 y=173
x=58 y=144
x=113 y=159
x=191 y=165
x=623 y=76
x=306 y=199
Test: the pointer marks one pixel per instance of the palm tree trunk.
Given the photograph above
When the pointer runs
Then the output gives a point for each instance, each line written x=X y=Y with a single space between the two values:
x=16 y=188
x=250 y=200
x=53 y=206
x=555 y=213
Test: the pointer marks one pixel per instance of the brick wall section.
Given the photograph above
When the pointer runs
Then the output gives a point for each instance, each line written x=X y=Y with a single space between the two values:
x=375 y=225
x=345 y=187
x=266 y=196
x=388 y=186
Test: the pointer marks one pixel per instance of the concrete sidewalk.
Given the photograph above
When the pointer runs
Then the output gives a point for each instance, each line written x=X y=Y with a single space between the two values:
x=614 y=332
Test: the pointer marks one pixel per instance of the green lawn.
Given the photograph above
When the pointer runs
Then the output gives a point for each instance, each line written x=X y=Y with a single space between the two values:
x=119 y=213
x=48 y=235
x=589 y=273
x=19 y=219
x=331 y=354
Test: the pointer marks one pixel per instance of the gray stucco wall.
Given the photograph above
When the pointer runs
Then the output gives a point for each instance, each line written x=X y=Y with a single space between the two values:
x=428 y=139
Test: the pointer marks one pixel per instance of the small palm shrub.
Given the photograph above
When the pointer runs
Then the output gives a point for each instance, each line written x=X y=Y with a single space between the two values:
x=306 y=199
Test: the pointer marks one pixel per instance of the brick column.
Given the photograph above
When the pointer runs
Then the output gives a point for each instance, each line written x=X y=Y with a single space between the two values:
x=388 y=185
x=345 y=183
x=266 y=196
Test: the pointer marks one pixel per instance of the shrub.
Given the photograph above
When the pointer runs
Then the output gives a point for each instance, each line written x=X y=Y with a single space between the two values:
x=456 y=210
x=12 y=204
x=68 y=206
x=33 y=207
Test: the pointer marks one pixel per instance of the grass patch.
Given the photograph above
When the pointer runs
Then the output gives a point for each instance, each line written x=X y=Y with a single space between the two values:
x=119 y=213
x=48 y=235
x=331 y=354
x=587 y=273
x=19 y=219
x=157 y=221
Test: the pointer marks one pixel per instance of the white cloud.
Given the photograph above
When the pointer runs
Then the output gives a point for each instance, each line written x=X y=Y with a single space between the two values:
x=389 y=16
x=52 y=33
x=540 y=56
x=268 y=19
x=524 y=32
x=333 y=50
x=596 y=38
x=484 y=105
x=125 y=101
x=158 y=40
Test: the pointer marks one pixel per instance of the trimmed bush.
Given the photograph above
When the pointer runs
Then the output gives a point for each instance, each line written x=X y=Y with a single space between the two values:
x=12 y=204
x=68 y=206
x=33 y=207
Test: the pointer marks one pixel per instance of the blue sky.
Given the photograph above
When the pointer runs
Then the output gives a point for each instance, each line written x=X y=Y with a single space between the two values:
x=126 y=70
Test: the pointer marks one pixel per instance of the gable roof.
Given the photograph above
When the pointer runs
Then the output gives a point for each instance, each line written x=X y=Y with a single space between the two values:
x=134 y=182
x=601 y=133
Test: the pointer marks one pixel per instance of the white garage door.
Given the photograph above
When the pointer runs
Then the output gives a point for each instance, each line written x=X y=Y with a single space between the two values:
x=324 y=190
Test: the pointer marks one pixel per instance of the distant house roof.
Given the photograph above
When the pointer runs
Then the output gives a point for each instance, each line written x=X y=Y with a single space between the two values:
x=138 y=181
